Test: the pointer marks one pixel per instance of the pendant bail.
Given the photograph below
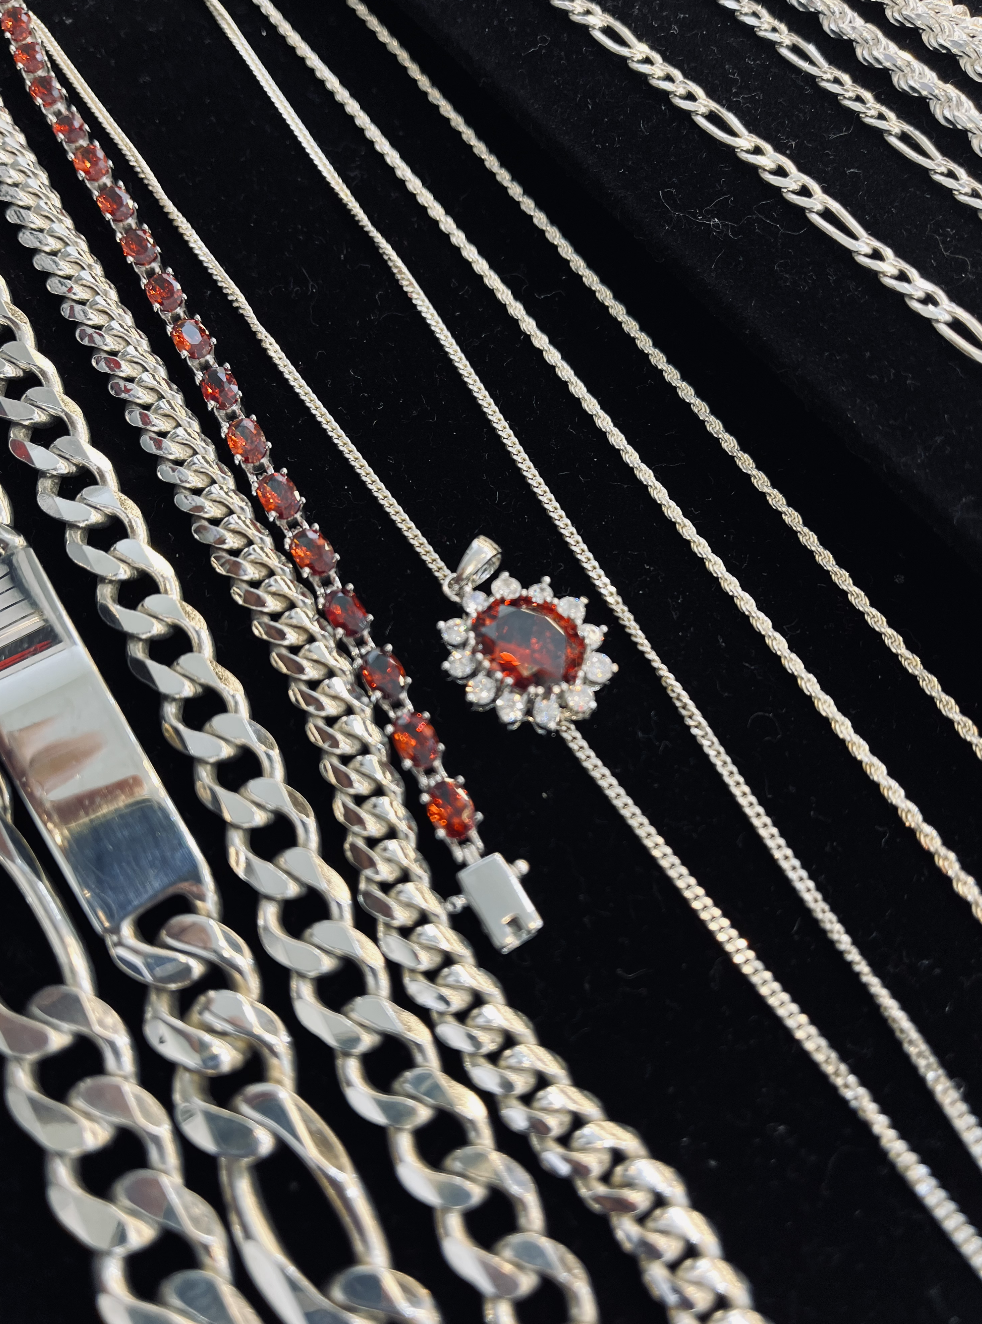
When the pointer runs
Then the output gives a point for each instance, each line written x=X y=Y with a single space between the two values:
x=478 y=563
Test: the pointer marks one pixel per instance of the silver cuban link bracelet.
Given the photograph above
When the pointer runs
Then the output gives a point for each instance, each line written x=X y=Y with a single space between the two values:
x=645 y=1201
x=959 y=327
x=142 y=1203
x=223 y=1028
x=518 y=1261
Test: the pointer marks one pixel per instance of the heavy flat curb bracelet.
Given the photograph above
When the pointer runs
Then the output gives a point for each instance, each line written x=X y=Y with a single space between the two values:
x=448 y=805
x=925 y=1062
x=224 y=1027
x=645 y=1201
x=145 y=1202
x=963 y=187
x=910 y=815
x=560 y=1101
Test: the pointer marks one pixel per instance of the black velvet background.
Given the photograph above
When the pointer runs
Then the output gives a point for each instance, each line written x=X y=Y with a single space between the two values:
x=808 y=362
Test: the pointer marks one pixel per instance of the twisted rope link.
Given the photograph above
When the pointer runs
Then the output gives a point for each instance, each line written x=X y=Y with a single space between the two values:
x=944 y=858
x=519 y=1261
x=943 y=27
x=142 y=1203
x=700 y=1282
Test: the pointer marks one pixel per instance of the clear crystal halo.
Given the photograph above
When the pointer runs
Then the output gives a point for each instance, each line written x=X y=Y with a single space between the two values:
x=526 y=653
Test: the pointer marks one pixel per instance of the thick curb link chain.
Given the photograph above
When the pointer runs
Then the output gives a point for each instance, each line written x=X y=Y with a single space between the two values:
x=964 y=188
x=956 y=325
x=264 y=581
x=646 y=1201
x=142 y=1203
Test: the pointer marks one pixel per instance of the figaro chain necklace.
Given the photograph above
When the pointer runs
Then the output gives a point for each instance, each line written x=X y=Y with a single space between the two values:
x=762 y=979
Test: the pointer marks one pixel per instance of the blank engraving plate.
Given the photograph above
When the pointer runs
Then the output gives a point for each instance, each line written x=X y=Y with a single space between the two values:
x=91 y=789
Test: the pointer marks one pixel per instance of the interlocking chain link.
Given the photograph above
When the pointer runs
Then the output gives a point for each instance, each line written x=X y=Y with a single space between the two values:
x=519 y=1261
x=923 y=296
x=948 y=105
x=645 y=1201
x=907 y=140
x=943 y=1088
x=964 y=188
x=943 y=27
x=145 y=1202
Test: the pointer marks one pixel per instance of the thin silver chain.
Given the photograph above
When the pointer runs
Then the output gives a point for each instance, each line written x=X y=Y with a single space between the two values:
x=763 y=980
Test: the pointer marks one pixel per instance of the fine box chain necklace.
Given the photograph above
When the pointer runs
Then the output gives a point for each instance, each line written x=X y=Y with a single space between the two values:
x=731 y=941
x=963 y=187
x=216 y=1035
x=908 y=812
x=225 y=1026
x=670 y=1229
x=678 y=1251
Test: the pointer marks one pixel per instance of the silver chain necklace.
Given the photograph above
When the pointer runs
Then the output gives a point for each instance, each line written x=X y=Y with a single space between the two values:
x=717 y=924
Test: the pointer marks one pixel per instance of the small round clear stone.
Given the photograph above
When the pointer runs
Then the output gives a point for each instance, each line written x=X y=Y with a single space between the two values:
x=506 y=586
x=454 y=633
x=598 y=668
x=474 y=601
x=580 y=700
x=545 y=712
x=574 y=608
x=510 y=706
x=592 y=635
x=460 y=665
x=481 y=691
x=540 y=592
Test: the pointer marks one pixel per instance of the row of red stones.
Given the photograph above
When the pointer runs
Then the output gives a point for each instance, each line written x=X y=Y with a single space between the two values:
x=448 y=806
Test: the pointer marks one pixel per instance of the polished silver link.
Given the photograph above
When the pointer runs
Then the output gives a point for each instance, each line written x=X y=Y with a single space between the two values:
x=508 y=1272
x=902 y=136
x=342 y=727
x=144 y=1202
x=945 y=1092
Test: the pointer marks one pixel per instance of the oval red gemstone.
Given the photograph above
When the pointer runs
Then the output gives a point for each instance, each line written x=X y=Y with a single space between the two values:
x=220 y=388
x=345 y=612
x=115 y=203
x=29 y=56
x=247 y=440
x=139 y=247
x=529 y=642
x=91 y=163
x=45 y=90
x=415 y=740
x=192 y=339
x=16 y=23
x=164 y=292
x=279 y=496
x=311 y=551
x=69 y=128
x=383 y=673
x=451 y=809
